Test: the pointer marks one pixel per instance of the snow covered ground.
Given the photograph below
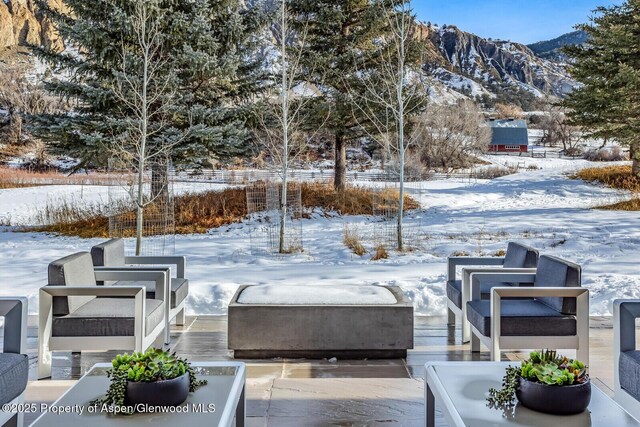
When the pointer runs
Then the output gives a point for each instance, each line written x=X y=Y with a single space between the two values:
x=542 y=208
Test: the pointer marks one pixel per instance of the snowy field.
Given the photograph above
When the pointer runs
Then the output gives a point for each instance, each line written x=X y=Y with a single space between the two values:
x=542 y=208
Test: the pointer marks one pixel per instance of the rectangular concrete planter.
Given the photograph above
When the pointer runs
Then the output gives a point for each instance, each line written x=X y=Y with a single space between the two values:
x=319 y=331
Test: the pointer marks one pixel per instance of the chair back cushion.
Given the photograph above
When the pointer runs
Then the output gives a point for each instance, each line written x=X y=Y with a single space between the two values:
x=72 y=270
x=108 y=254
x=520 y=256
x=557 y=272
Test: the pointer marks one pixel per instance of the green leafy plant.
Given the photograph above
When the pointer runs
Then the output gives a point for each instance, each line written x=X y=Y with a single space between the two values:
x=545 y=367
x=153 y=365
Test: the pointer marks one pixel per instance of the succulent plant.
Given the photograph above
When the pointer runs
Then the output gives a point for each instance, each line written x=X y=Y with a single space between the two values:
x=153 y=365
x=545 y=367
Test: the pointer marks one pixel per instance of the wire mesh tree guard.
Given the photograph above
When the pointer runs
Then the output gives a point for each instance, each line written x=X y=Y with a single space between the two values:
x=385 y=207
x=265 y=217
x=159 y=226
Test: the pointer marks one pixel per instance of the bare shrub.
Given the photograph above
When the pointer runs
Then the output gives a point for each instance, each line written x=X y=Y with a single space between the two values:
x=493 y=172
x=19 y=96
x=451 y=136
x=509 y=111
x=611 y=154
x=381 y=253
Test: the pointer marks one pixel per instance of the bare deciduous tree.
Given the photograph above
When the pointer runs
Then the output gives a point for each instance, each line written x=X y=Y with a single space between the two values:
x=145 y=88
x=20 y=96
x=450 y=136
x=394 y=93
x=284 y=109
x=557 y=129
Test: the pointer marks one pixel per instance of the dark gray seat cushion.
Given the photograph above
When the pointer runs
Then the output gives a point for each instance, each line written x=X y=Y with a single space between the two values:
x=179 y=289
x=521 y=318
x=454 y=290
x=14 y=372
x=629 y=368
x=557 y=272
x=106 y=317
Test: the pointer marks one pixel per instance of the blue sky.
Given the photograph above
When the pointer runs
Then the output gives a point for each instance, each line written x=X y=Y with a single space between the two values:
x=524 y=21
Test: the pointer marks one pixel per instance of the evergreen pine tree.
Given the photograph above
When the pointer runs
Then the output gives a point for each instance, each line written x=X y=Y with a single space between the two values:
x=209 y=46
x=608 y=66
x=340 y=33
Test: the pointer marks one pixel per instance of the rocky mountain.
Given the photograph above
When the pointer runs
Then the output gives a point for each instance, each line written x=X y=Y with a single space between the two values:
x=462 y=64
x=21 y=24
x=551 y=49
x=491 y=69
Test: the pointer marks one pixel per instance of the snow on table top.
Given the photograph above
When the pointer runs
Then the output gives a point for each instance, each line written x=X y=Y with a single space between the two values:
x=317 y=295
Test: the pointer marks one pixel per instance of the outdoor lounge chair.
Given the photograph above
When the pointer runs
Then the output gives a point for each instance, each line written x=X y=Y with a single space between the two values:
x=111 y=254
x=14 y=363
x=76 y=314
x=626 y=356
x=518 y=259
x=555 y=315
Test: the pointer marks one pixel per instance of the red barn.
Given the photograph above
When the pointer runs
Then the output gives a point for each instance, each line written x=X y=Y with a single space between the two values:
x=509 y=136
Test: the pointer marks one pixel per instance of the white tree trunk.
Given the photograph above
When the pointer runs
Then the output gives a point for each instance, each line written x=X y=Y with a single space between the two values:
x=285 y=132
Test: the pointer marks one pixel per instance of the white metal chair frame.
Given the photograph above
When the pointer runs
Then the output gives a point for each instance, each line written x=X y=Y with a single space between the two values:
x=625 y=313
x=453 y=262
x=166 y=289
x=14 y=310
x=466 y=292
x=180 y=262
x=497 y=343
x=140 y=341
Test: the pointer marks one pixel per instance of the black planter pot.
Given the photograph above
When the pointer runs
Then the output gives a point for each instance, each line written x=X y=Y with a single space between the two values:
x=160 y=393
x=554 y=399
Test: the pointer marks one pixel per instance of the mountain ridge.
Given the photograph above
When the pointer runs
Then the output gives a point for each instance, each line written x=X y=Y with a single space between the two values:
x=552 y=49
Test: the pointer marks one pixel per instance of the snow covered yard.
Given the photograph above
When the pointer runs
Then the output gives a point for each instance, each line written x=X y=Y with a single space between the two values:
x=542 y=208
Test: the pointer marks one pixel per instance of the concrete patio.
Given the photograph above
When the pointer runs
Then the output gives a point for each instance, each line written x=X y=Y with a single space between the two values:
x=284 y=392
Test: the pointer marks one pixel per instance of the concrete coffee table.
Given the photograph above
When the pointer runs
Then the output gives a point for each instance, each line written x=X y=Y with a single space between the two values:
x=460 y=389
x=218 y=403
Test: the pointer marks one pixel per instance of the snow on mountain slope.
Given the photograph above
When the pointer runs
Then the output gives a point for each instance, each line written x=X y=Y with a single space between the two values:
x=473 y=65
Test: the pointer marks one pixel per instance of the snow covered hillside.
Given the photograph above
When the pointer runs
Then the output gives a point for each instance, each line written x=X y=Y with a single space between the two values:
x=542 y=208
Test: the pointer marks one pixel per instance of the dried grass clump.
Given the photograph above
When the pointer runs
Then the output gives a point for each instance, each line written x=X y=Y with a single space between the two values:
x=381 y=253
x=351 y=200
x=352 y=240
x=199 y=212
x=629 y=205
x=618 y=177
x=460 y=253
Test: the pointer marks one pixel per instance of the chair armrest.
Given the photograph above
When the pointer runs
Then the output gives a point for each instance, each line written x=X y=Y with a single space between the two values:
x=14 y=310
x=580 y=294
x=96 y=291
x=455 y=261
x=179 y=261
x=502 y=276
x=159 y=275
x=47 y=293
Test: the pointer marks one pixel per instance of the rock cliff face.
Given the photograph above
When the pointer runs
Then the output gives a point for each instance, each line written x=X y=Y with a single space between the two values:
x=21 y=24
x=466 y=62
